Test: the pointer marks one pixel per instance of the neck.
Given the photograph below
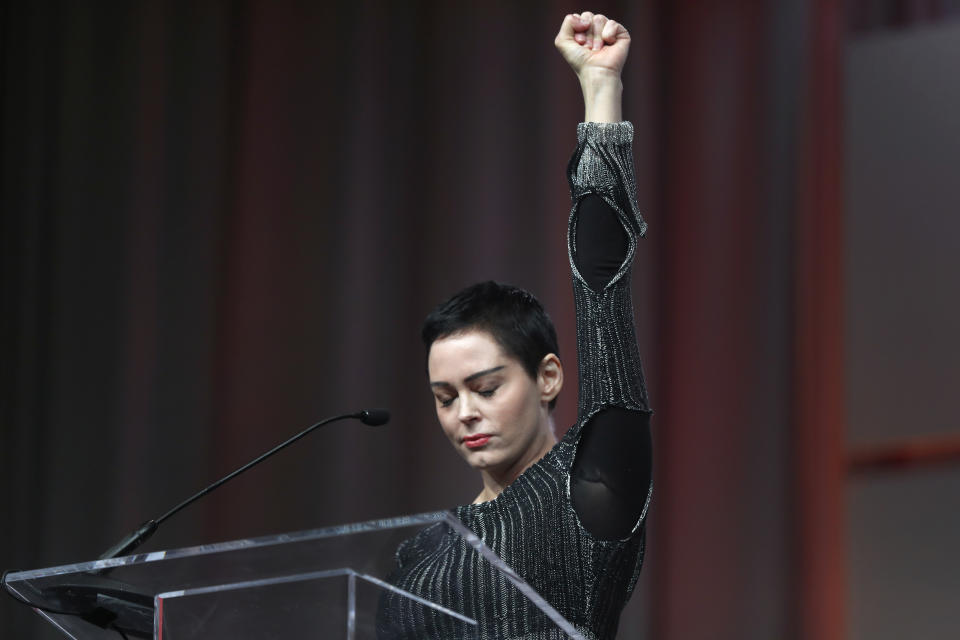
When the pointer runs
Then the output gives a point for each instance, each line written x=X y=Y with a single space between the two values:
x=496 y=480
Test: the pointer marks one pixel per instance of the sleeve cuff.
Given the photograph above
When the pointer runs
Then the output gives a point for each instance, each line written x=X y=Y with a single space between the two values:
x=615 y=132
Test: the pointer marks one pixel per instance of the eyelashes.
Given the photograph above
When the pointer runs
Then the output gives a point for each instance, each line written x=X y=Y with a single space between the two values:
x=483 y=393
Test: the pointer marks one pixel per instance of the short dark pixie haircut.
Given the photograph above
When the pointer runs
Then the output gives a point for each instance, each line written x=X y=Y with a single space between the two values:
x=513 y=317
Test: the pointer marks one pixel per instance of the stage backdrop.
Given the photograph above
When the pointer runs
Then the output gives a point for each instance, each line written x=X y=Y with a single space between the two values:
x=223 y=221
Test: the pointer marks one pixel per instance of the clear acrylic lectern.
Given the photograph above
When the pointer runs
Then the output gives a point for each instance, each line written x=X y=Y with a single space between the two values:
x=324 y=583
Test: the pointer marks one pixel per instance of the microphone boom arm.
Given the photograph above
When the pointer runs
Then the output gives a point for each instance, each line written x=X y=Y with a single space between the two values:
x=373 y=417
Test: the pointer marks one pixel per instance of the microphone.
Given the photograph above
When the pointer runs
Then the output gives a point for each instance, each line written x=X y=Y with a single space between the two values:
x=374 y=417
x=111 y=604
x=371 y=417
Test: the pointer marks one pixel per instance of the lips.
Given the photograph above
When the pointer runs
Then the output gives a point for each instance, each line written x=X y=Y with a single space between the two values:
x=476 y=440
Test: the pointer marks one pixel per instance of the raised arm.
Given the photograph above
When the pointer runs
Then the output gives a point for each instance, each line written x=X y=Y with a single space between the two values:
x=610 y=477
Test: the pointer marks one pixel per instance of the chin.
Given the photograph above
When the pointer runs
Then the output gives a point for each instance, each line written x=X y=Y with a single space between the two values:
x=483 y=461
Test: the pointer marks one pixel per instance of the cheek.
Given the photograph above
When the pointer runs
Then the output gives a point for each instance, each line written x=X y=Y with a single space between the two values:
x=447 y=424
x=519 y=404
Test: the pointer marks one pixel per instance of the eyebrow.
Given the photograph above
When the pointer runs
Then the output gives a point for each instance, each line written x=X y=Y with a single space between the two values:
x=471 y=377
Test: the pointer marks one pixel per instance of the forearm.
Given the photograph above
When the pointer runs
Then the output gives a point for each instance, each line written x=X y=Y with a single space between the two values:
x=608 y=358
x=602 y=95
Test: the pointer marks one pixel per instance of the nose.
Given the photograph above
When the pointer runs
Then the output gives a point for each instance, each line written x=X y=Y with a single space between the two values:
x=468 y=410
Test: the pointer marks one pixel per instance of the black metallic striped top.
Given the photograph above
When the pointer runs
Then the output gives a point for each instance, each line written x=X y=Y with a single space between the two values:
x=550 y=524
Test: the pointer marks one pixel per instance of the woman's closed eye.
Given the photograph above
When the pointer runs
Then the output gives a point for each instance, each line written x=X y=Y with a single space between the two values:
x=488 y=392
x=445 y=400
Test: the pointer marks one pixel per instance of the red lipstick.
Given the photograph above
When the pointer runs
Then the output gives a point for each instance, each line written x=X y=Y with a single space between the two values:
x=476 y=441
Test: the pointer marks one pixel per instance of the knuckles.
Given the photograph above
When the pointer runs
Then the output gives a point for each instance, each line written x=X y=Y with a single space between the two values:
x=589 y=24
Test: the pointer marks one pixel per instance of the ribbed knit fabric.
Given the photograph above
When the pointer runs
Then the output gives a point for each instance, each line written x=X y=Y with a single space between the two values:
x=532 y=524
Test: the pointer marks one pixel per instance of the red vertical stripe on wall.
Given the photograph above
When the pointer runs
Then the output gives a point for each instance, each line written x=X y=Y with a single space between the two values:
x=819 y=411
x=701 y=533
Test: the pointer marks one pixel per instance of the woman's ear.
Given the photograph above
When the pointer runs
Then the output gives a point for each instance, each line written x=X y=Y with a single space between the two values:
x=550 y=377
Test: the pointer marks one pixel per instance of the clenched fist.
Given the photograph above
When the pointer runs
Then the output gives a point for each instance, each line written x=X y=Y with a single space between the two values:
x=593 y=43
x=596 y=47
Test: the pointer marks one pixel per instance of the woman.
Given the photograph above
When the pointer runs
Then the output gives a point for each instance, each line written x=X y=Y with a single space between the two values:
x=568 y=517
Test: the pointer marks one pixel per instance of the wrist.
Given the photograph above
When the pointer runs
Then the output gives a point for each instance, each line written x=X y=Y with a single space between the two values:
x=599 y=78
x=602 y=95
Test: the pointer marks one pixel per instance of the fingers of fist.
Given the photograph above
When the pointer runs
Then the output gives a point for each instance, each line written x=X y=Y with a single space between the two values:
x=590 y=30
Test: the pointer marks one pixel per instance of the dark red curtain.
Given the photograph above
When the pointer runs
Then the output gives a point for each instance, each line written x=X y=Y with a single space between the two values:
x=224 y=220
x=724 y=533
